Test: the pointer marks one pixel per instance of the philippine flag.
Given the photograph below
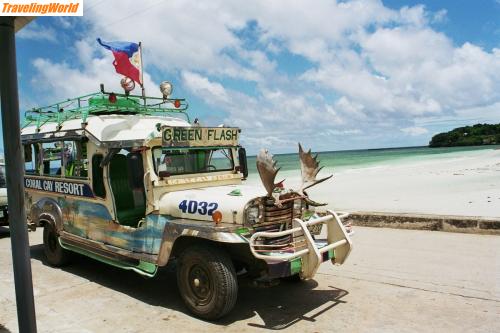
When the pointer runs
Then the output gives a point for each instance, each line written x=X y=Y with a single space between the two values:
x=127 y=58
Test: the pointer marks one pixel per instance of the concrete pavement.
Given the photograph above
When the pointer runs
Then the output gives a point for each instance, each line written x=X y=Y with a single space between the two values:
x=394 y=281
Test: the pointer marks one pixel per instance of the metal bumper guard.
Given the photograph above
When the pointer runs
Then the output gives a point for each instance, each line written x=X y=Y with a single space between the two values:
x=311 y=251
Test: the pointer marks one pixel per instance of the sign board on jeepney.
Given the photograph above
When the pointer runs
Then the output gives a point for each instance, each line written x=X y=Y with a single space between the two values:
x=200 y=136
x=59 y=186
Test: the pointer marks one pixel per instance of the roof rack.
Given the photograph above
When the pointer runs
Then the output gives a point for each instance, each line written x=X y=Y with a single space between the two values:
x=104 y=103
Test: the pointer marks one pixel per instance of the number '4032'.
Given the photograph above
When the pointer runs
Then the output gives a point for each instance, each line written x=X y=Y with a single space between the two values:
x=200 y=207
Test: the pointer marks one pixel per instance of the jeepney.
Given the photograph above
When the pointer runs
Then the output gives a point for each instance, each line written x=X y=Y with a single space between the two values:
x=133 y=182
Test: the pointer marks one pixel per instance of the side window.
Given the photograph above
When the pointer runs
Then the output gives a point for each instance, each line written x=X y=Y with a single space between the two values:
x=97 y=176
x=52 y=158
x=31 y=154
x=75 y=159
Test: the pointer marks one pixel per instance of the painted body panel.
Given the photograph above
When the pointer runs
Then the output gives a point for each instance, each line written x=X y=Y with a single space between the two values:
x=93 y=221
x=231 y=206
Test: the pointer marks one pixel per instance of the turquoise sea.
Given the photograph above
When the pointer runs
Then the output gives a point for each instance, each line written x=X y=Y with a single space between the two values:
x=347 y=159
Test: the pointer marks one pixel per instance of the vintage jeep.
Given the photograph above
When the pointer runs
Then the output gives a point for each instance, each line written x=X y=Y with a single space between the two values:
x=132 y=182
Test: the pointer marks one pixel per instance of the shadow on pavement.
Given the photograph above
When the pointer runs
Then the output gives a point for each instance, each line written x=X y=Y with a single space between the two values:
x=3 y=329
x=283 y=306
x=280 y=307
x=4 y=232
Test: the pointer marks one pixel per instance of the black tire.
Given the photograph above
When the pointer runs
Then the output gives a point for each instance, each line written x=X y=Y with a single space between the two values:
x=55 y=254
x=207 y=281
x=295 y=278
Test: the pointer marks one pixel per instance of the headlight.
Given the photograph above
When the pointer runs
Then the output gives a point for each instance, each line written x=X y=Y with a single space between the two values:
x=253 y=215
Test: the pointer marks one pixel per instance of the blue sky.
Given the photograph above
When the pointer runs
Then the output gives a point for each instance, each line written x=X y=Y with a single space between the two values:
x=336 y=75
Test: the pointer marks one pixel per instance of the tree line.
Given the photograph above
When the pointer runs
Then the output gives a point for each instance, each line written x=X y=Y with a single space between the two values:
x=479 y=134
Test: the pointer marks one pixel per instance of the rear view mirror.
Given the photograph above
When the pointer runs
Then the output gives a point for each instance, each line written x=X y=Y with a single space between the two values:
x=242 y=157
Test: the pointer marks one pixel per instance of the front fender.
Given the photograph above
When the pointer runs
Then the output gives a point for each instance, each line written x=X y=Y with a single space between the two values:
x=177 y=228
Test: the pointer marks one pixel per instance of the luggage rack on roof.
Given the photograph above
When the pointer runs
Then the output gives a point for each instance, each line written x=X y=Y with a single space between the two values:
x=104 y=103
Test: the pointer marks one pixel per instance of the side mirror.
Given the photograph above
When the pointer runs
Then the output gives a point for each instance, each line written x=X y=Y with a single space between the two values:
x=242 y=157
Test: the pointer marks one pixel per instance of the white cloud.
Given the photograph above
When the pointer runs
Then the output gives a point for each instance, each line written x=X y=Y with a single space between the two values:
x=344 y=132
x=483 y=113
x=440 y=16
x=211 y=92
x=65 y=22
x=35 y=31
x=60 y=81
x=370 y=68
x=414 y=131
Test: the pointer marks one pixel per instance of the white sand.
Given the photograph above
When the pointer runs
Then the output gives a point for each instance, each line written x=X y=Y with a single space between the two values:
x=464 y=183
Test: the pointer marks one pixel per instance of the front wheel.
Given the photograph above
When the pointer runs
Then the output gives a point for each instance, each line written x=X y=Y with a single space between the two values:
x=55 y=254
x=207 y=281
x=295 y=278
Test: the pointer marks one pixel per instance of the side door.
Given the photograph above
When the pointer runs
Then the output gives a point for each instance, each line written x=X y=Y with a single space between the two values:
x=120 y=183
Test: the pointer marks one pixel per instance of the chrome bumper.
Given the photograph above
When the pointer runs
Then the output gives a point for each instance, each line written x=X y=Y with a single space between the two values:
x=303 y=244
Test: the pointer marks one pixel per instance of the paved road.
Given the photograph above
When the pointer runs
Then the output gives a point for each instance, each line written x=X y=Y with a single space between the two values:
x=394 y=281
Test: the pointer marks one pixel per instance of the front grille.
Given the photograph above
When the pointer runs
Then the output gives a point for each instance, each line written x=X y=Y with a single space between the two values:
x=274 y=215
x=276 y=219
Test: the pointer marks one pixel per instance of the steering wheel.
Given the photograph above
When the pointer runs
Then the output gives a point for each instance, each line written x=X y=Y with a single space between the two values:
x=207 y=167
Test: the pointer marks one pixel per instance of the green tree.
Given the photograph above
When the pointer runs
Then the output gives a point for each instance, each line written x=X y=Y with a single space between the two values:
x=479 y=134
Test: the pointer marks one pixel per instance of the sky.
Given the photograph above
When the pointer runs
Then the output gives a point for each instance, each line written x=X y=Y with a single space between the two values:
x=333 y=75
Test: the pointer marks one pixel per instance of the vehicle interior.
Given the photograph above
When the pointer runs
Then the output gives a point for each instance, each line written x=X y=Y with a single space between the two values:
x=127 y=183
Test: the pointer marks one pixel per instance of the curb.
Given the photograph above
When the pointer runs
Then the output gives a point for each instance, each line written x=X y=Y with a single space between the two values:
x=450 y=223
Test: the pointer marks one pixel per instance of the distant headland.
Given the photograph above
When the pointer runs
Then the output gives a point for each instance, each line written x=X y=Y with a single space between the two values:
x=479 y=134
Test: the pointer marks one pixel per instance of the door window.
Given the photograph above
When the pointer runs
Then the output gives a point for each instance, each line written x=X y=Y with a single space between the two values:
x=52 y=158
x=75 y=159
x=31 y=158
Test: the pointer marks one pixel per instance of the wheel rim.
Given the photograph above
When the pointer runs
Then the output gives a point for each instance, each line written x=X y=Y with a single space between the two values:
x=200 y=284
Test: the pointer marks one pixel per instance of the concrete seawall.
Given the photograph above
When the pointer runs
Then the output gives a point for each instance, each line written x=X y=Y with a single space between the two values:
x=465 y=224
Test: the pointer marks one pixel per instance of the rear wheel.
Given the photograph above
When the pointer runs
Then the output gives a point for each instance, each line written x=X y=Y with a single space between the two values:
x=55 y=254
x=207 y=281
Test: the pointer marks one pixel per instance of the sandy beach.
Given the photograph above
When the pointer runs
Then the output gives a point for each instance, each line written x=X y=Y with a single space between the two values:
x=462 y=183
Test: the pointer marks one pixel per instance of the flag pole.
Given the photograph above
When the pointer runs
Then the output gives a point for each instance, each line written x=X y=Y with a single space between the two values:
x=142 y=75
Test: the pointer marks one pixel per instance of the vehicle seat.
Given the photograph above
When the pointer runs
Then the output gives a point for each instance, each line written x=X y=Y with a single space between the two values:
x=128 y=212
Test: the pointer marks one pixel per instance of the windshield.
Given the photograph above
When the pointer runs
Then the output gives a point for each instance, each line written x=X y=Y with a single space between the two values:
x=3 y=182
x=171 y=161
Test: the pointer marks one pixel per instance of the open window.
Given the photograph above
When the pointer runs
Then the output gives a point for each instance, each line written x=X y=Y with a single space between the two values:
x=126 y=176
x=98 y=176
x=31 y=159
x=75 y=159
x=52 y=158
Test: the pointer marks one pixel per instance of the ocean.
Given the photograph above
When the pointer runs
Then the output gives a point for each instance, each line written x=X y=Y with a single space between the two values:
x=349 y=159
